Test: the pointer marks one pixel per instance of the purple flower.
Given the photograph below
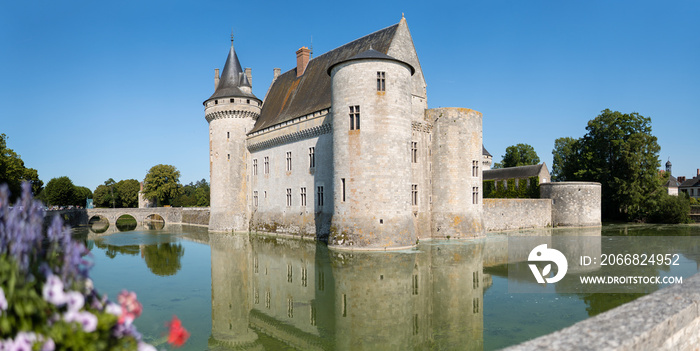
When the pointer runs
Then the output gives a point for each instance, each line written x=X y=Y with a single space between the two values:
x=48 y=345
x=52 y=291
x=7 y=344
x=3 y=300
x=24 y=341
x=113 y=308
x=86 y=319
x=75 y=301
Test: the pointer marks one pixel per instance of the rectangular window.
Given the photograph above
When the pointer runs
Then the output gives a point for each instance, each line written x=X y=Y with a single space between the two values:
x=355 y=117
x=415 y=284
x=228 y=135
x=303 y=196
x=312 y=157
x=414 y=152
x=267 y=165
x=381 y=81
x=475 y=168
x=342 y=190
x=475 y=195
x=414 y=194
x=255 y=198
x=289 y=161
x=255 y=166
x=289 y=197
x=319 y=195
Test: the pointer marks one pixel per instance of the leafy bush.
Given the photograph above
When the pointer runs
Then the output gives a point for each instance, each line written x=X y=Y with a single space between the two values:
x=47 y=300
x=526 y=189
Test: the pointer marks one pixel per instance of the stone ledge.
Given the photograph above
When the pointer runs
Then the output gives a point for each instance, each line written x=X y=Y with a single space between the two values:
x=663 y=320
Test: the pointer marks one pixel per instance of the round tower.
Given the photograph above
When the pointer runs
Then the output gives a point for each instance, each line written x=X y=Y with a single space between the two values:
x=231 y=112
x=371 y=118
x=457 y=210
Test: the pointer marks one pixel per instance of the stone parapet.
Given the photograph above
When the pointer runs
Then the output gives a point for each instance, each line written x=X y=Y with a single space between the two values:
x=668 y=319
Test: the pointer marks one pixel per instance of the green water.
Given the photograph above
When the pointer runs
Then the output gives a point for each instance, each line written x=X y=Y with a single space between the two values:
x=272 y=293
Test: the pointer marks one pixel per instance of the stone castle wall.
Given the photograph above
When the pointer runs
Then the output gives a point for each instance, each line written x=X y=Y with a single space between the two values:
x=510 y=214
x=271 y=212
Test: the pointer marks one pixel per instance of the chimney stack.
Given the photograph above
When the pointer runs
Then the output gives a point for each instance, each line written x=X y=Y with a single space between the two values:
x=249 y=75
x=216 y=78
x=276 y=73
x=681 y=179
x=698 y=171
x=303 y=56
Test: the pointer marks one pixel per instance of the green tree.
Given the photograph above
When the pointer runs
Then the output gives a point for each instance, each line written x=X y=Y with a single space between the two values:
x=564 y=158
x=127 y=192
x=60 y=192
x=13 y=172
x=102 y=197
x=619 y=152
x=81 y=194
x=162 y=183
x=518 y=155
x=202 y=193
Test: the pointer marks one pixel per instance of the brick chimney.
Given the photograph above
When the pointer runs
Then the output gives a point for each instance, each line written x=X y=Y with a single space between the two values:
x=681 y=179
x=698 y=171
x=303 y=56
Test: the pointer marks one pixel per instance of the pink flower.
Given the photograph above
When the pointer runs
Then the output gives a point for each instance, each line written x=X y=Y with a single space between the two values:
x=178 y=335
x=131 y=307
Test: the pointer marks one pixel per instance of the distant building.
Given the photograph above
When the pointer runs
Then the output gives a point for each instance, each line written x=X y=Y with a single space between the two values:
x=672 y=184
x=691 y=186
x=486 y=159
x=517 y=173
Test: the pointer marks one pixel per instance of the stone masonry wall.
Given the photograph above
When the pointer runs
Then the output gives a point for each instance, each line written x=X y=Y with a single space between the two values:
x=373 y=209
x=574 y=204
x=456 y=145
x=668 y=319
x=509 y=214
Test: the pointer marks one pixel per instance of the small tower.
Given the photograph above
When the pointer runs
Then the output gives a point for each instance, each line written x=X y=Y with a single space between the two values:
x=231 y=112
x=668 y=167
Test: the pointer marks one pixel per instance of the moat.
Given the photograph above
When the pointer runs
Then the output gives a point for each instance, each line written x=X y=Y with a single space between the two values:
x=275 y=293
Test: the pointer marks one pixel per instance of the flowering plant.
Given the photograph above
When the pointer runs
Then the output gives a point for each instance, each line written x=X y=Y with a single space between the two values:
x=47 y=300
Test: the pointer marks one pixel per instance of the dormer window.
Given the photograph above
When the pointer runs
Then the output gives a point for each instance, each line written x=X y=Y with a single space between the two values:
x=231 y=101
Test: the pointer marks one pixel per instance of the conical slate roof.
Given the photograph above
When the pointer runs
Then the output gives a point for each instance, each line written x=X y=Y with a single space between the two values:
x=232 y=79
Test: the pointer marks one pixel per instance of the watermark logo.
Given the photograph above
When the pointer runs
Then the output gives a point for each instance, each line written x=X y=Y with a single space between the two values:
x=542 y=254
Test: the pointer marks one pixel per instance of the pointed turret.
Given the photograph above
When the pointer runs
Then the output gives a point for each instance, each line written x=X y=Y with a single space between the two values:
x=233 y=81
x=231 y=112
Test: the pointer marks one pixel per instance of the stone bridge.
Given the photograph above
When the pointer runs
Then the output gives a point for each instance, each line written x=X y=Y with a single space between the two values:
x=170 y=215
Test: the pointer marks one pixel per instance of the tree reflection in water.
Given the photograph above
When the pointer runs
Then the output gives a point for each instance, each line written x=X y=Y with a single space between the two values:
x=164 y=259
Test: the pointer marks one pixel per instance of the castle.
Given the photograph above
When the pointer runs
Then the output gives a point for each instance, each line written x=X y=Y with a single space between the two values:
x=344 y=147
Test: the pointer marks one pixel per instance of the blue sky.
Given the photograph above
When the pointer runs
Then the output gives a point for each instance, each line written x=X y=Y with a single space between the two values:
x=97 y=90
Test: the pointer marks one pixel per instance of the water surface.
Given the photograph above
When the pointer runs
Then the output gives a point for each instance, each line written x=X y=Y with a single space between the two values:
x=264 y=292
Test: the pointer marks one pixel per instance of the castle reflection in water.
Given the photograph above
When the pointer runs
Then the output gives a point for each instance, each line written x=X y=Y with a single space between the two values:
x=292 y=293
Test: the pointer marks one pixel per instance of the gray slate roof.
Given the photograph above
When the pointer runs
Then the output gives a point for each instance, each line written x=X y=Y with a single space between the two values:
x=513 y=172
x=291 y=96
x=672 y=182
x=695 y=181
x=370 y=54
x=232 y=78
x=484 y=151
